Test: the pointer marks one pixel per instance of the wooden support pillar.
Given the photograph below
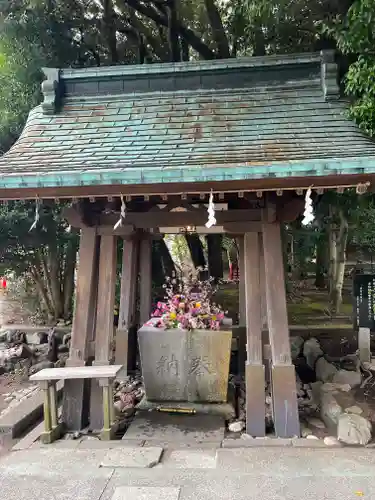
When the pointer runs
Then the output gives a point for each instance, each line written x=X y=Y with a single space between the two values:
x=127 y=301
x=241 y=329
x=76 y=393
x=266 y=348
x=284 y=395
x=241 y=291
x=145 y=276
x=104 y=322
x=255 y=395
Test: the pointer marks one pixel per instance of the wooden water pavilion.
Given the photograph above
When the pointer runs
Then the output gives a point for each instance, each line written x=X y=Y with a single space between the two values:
x=157 y=139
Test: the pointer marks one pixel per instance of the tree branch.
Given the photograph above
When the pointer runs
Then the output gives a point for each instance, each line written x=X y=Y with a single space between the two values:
x=186 y=33
x=218 y=30
x=173 y=37
x=109 y=17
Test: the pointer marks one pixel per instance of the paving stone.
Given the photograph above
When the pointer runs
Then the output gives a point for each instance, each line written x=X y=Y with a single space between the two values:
x=256 y=442
x=190 y=459
x=308 y=443
x=146 y=493
x=97 y=444
x=25 y=487
x=132 y=457
x=48 y=461
x=177 y=445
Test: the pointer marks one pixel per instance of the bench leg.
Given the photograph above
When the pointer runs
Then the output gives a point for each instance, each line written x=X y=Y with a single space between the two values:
x=53 y=405
x=108 y=411
x=111 y=407
x=47 y=409
x=52 y=429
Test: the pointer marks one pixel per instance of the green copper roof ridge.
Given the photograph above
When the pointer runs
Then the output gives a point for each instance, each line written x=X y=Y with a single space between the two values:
x=192 y=66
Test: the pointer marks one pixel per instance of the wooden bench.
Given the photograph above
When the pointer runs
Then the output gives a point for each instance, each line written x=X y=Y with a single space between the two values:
x=48 y=378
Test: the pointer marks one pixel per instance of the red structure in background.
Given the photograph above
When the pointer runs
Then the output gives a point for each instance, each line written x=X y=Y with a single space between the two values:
x=233 y=271
x=3 y=283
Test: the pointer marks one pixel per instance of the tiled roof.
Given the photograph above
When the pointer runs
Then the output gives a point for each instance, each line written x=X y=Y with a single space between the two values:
x=272 y=128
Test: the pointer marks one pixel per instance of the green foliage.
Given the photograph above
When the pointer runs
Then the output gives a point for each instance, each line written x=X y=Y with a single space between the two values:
x=355 y=36
x=47 y=254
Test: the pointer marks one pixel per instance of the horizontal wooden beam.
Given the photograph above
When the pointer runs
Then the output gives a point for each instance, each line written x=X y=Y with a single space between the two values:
x=229 y=227
x=150 y=220
x=270 y=183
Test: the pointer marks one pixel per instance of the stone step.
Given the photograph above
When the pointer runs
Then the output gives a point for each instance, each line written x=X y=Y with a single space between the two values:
x=133 y=457
x=25 y=414
x=146 y=493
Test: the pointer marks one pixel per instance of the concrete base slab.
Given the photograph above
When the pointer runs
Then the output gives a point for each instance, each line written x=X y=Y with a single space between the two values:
x=247 y=474
x=132 y=457
x=176 y=428
x=225 y=410
x=190 y=459
x=146 y=493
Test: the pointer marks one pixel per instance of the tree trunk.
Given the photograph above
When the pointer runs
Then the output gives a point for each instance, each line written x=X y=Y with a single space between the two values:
x=284 y=243
x=109 y=29
x=332 y=255
x=54 y=265
x=214 y=255
x=69 y=271
x=41 y=289
x=166 y=259
x=157 y=264
x=339 y=274
x=196 y=252
x=321 y=261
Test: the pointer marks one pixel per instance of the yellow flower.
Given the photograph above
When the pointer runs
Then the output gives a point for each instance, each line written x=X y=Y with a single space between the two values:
x=214 y=318
x=198 y=305
x=173 y=315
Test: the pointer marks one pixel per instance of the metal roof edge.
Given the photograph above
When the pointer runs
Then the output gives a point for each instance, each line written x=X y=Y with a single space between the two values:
x=199 y=173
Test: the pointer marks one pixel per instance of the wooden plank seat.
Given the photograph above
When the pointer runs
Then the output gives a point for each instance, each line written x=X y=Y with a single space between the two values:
x=48 y=378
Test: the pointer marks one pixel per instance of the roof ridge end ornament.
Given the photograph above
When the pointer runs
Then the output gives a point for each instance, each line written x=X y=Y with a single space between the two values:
x=50 y=90
x=329 y=75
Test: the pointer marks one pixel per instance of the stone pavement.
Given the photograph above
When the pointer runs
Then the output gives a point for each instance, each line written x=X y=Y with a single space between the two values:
x=90 y=470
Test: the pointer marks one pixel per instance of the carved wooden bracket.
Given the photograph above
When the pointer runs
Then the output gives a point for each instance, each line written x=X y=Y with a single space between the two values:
x=329 y=75
x=50 y=90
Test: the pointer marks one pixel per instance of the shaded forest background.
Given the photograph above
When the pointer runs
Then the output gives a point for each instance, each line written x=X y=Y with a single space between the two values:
x=82 y=33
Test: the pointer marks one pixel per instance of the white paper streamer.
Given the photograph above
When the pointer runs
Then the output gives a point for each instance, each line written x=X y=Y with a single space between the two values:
x=211 y=212
x=308 y=214
x=120 y=222
x=37 y=215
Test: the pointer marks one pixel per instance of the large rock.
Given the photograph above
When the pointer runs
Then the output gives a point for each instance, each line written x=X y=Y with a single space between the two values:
x=312 y=351
x=330 y=410
x=325 y=371
x=296 y=344
x=353 y=429
x=347 y=377
x=236 y=426
x=41 y=366
x=331 y=387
